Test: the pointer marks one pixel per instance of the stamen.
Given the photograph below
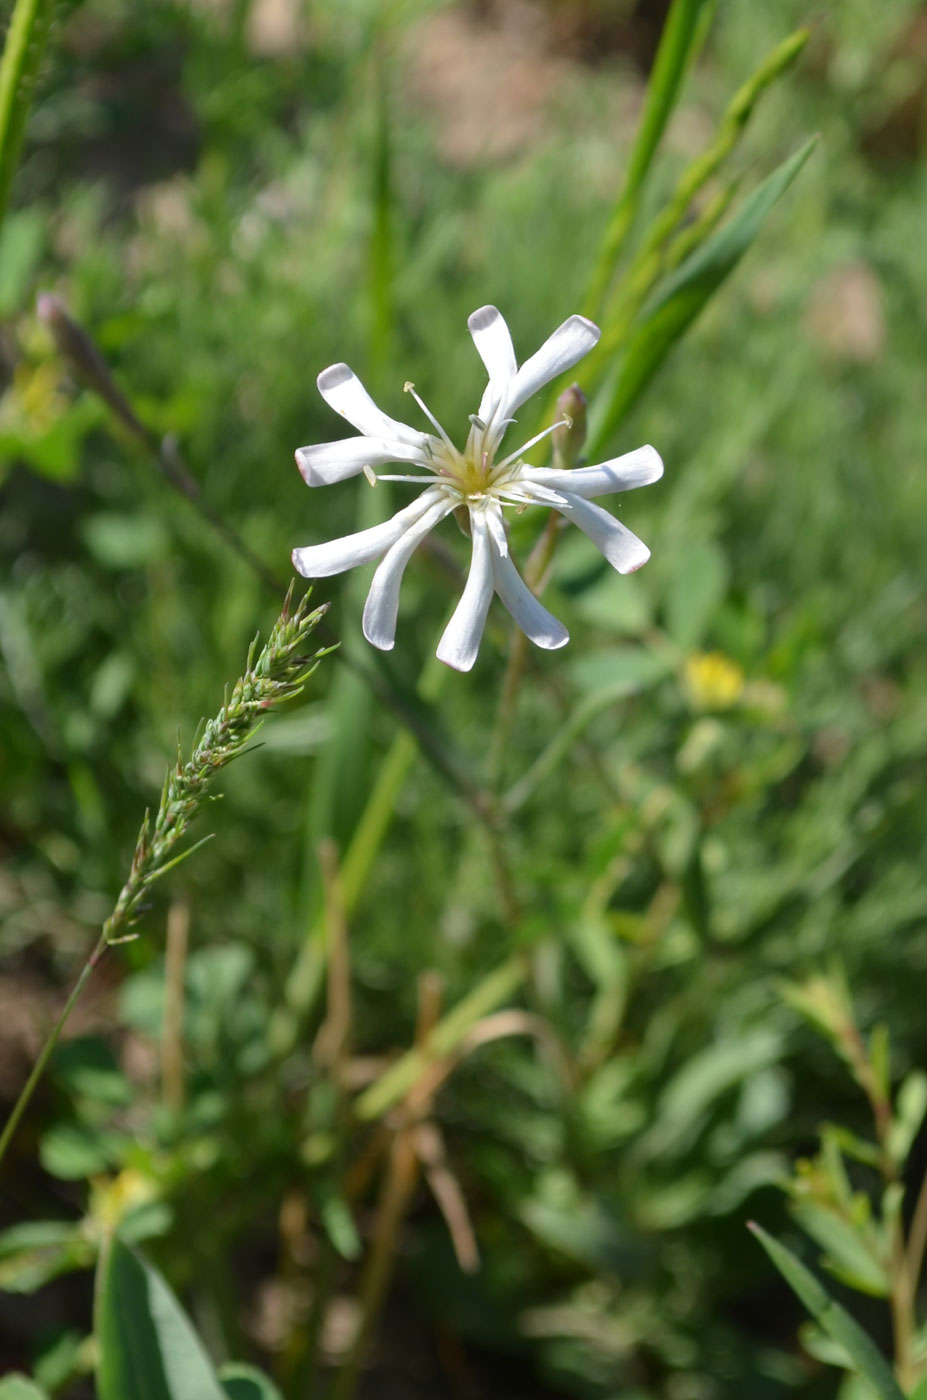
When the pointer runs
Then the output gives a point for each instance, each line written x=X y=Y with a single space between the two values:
x=526 y=447
x=409 y=388
x=429 y=479
x=477 y=422
x=370 y=474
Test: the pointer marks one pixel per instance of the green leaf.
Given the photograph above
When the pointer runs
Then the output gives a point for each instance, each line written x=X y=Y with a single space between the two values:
x=73 y=1151
x=680 y=41
x=910 y=1107
x=17 y=1387
x=39 y=1250
x=340 y=1228
x=676 y=304
x=848 y=1255
x=918 y=1393
x=21 y=243
x=246 y=1383
x=835 y=1320
x=148 y=1349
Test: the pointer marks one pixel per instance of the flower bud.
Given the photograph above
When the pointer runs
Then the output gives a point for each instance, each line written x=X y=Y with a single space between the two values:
x=569 y=435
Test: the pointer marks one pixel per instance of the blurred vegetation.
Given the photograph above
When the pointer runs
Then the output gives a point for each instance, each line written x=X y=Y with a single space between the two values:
x=717 y=788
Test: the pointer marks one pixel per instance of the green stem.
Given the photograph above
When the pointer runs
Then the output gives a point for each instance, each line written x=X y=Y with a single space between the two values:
x=392 y=1086
x=38 y=1069
x=22 y=54
x=682 y=36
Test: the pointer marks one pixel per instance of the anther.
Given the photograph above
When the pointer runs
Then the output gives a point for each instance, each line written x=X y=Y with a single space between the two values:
x=370 y=474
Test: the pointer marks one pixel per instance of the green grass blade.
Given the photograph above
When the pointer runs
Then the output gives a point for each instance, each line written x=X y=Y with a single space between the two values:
x=22 y=55
x=681 y=40
x=835 y=1320
x=147 y=1348
x=676 y=304
x=650 y=261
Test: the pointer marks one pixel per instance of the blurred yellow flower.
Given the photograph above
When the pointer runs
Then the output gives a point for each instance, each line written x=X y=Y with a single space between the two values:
x=712 y=680
x=113 y=1197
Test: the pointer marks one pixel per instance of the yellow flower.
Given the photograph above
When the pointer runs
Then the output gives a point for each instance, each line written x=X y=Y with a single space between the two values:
x=712 y=680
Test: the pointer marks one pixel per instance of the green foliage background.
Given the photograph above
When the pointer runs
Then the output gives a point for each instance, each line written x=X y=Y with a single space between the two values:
x=227 y=223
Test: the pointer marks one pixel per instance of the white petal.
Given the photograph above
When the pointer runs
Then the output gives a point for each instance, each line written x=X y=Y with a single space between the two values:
x=342 y=390
x=461 y=641
x=540 y=626
x=334 y=557
x=494 y=345
x=383 y=599
x=624 y=551
x=569 y=343
x=638 y=468
x=496 y=523
x=327 y=462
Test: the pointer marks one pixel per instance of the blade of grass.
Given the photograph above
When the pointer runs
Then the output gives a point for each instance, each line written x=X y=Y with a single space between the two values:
x=682 y=297
x=682 y=37
x=648 y=262
x=22 y=54
x=834 y=1319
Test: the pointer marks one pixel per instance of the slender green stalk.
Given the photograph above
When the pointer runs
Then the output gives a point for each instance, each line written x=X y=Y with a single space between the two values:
x=651 y=259
x=682 y=37
x=38 y=1069
x=486 y=996
x=278 y=674
x=22 y=54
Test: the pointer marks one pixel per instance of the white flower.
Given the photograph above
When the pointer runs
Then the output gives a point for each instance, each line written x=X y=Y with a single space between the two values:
x=473 y=479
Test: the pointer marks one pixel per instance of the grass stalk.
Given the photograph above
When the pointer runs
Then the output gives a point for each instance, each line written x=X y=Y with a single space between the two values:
x=26 y=38
x=277 y=674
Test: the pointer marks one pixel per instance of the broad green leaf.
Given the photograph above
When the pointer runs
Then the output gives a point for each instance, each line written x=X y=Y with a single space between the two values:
x=246 y=1383
x=39 y=1250
x=676 y=304
x=849 y=1256
x=918 y=1393
x=835 y=1320
x=73 y=1151
x=148 y=1349
x=18 y=1387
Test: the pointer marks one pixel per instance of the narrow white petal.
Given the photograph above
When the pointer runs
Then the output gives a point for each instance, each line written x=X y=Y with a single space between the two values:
x=494 y=346
x=569 y=343
x=461 y=641
x=538 y=625
x=327 y=462
x=383 y=599
x=638 y=468
x=342 y=390
x=624 y=551
x=496 y=523
x=334 y=557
